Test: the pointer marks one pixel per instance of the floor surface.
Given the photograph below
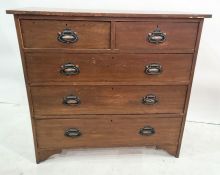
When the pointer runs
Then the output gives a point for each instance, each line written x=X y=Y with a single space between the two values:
x=200 y=152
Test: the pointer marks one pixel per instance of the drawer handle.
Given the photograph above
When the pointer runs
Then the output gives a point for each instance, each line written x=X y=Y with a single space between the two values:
x=150 y=99
x=156 y=37
x=153 y=69
x=71 y=100
x=69 y=69
x=147 y=131
x=67 y=36
x=72 y=132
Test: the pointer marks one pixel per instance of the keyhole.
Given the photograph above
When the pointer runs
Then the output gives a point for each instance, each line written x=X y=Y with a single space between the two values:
x=66 y=25
x=111 y=120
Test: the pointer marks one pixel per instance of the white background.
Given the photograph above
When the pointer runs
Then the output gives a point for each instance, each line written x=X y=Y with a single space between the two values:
x=205 y=99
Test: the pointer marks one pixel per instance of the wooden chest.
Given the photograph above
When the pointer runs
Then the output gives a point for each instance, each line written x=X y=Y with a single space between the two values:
x=107 y=79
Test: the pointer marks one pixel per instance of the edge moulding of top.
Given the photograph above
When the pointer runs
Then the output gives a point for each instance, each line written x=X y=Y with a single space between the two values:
x=104 y=13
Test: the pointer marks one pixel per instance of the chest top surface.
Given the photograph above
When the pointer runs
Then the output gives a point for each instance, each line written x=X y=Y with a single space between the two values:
x=106 y=13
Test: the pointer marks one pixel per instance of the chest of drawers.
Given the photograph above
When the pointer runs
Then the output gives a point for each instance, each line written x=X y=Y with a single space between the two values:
x=107 y=79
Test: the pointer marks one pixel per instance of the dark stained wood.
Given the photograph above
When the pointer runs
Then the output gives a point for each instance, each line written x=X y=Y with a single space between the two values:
x=92 y=35
x=110 y=19
x=107 y=132
x=134 y=35
x=28 y=89
x=108 y=68
x=45 y=154
x=110 y=13
x=112 y=53
x=190 y=85
x=106 y=51
x=107 y=83
x=113 y=35
x=106 y=116
x=108 y=99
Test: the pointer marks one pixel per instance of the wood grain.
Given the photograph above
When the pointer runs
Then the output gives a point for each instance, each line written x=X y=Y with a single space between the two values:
x=108 y=51
x=106 y=13
x=92 y=35
x=106 y=116
x=45 y=154
x=107 y=132
x=112 y=53
x=133 y=35
x=28 y=89
x=190 y=85
x=108 y=99
x=115 y=68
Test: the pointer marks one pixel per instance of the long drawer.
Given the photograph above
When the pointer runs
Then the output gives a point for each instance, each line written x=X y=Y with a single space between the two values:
x=158 y=35
x=58 y=100
x=72 y=133
x=140 y=68
x=65 y=34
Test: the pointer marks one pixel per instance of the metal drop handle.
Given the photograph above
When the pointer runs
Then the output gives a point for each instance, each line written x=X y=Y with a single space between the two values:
x=67 y=36
x=153 y=69
x=147 y=131
x=72 y=132
x=71 y=100
x=150 y=99
x=69 y=69
x=156 y=37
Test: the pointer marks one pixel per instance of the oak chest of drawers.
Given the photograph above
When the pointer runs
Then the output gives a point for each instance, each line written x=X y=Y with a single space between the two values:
x=107 y=79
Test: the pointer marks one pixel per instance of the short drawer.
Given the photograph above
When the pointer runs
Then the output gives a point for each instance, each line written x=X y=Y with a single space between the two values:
x=53 y=100
x=133 y=68
x=65 y=34
x=72 y=133
x=158 y=35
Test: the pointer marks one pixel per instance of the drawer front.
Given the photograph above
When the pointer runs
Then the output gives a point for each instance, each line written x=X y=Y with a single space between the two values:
x=65 y=34
x=72 y=133
x=142 y=68
x=156 y=35
x=53 y=100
